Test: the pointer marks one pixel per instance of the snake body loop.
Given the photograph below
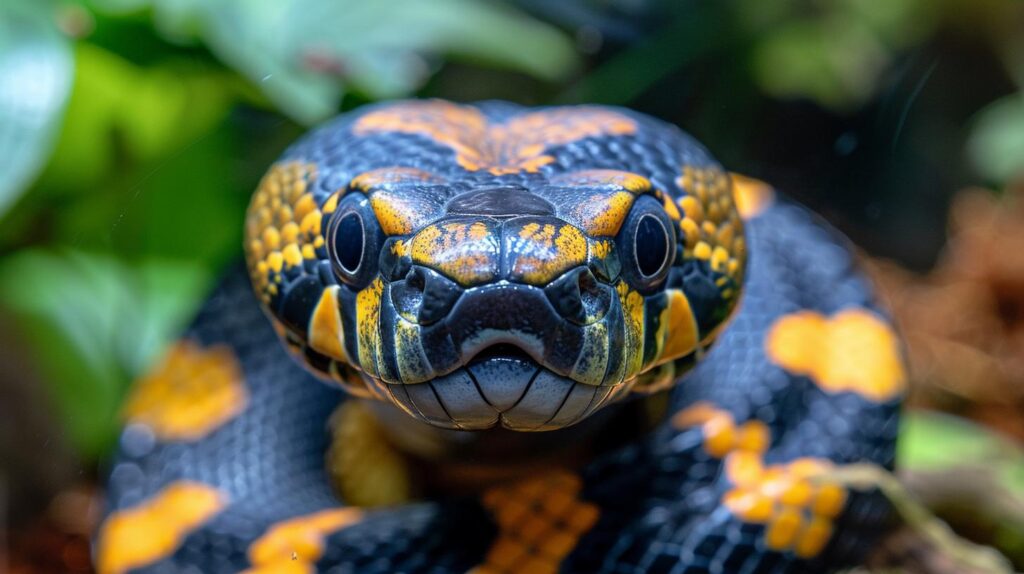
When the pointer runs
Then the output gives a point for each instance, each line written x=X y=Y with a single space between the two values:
x=472 y=272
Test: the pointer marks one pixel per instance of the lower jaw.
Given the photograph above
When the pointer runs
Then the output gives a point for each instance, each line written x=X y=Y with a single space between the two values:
x=510 y=392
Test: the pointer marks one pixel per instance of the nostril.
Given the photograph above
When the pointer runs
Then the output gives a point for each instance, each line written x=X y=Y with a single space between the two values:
x=407 y=295
x=414 y=280
x=423 y=296
x=438 y=296
x=579 y=297
x=594 y=298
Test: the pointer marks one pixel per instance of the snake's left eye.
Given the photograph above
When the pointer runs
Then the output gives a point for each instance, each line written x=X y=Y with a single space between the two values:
x=647 y=243
x=353 y=240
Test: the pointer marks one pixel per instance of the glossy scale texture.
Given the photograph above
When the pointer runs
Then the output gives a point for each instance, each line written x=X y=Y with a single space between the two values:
x=733 y=478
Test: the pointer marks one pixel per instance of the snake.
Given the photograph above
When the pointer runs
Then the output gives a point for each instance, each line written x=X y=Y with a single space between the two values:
x=491 y=338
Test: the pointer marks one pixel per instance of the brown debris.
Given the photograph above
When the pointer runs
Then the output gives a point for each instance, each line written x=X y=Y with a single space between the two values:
x=963 y=322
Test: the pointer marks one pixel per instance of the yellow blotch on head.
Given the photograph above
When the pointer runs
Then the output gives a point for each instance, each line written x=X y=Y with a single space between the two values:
x=282 y=225
x=540 y=520
x=752 y=196
x=396 y=215
x=385 y=176
x=604 y=178
x=633 y=315
x=295 y=545
x=677 y=329
x=153 y=530
x=367 y=319
x=853 y=350
x=602 y=216
x=600 y=249
x=326 y=331
x=545 y=251
x=189 y=394
x=467 y=252
x=711 y=225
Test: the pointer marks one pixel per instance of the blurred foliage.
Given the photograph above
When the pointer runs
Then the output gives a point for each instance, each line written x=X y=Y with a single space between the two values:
x=305 y=54
x=35 y=72
x=971 y=477
x=95 y=322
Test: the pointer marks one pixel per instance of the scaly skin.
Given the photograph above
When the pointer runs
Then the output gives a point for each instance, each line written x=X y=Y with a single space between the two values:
x=489 y=279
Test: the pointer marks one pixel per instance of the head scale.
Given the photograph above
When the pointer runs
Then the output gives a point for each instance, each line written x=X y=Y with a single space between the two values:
x=464 y=269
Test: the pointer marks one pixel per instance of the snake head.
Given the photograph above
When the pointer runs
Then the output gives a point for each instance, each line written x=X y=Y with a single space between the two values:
x=472 y=300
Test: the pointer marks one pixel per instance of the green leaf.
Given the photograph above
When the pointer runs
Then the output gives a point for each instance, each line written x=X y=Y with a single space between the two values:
x=94 y=323
x=996 y=143
x=931 y=441
x=305 y=54
x=35 y=78
x=119 y=111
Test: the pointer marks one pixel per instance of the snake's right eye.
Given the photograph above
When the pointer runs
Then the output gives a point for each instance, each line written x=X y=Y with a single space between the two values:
x=354 y=240
x=348 y=243
x=647 y=243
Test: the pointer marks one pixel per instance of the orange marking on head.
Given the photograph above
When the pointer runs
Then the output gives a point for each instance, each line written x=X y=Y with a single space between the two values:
x=600 y=249
x=467 y=252
x=752 y=196
x=282 y=225
x=141 y=535
x=510 y=147
x=540 y=253
x=326 y=334
x=189 y=394
x=387 y=176
x=677 y=329
x=367 y=328
x=633 y=313
x=611 y=179
x=854 y=350
x=297 y=543
x=602 y=216
x=711 y=225
x=396 y=214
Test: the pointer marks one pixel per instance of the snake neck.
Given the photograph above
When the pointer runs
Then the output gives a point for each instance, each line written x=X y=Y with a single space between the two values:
x=380 y=456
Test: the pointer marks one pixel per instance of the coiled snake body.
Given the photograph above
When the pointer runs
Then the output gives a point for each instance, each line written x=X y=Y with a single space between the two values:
x=475 y=271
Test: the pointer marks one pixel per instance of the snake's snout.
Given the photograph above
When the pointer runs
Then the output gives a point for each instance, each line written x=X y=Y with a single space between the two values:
x=515 y=355
x=517 y=315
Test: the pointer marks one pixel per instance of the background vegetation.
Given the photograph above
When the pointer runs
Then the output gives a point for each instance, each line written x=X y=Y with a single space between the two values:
x=133 y=131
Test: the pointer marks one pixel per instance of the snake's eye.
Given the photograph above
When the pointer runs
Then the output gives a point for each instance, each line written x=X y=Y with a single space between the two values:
x=354 y=239
x=647 y=243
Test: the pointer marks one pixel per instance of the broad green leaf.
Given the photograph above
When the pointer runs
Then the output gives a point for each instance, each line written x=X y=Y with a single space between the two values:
x=996 y=143
x=35 y=77
x=93 y=324
x=119 y=111
x=836 y=65
x=305 y=54
x=931 y=441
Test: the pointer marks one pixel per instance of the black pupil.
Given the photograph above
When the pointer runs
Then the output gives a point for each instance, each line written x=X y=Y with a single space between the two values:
x=348 y=242
x=651 y=245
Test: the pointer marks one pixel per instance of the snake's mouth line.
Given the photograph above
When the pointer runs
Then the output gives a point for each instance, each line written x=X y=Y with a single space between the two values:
x=501 y=385
x=501 y=351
